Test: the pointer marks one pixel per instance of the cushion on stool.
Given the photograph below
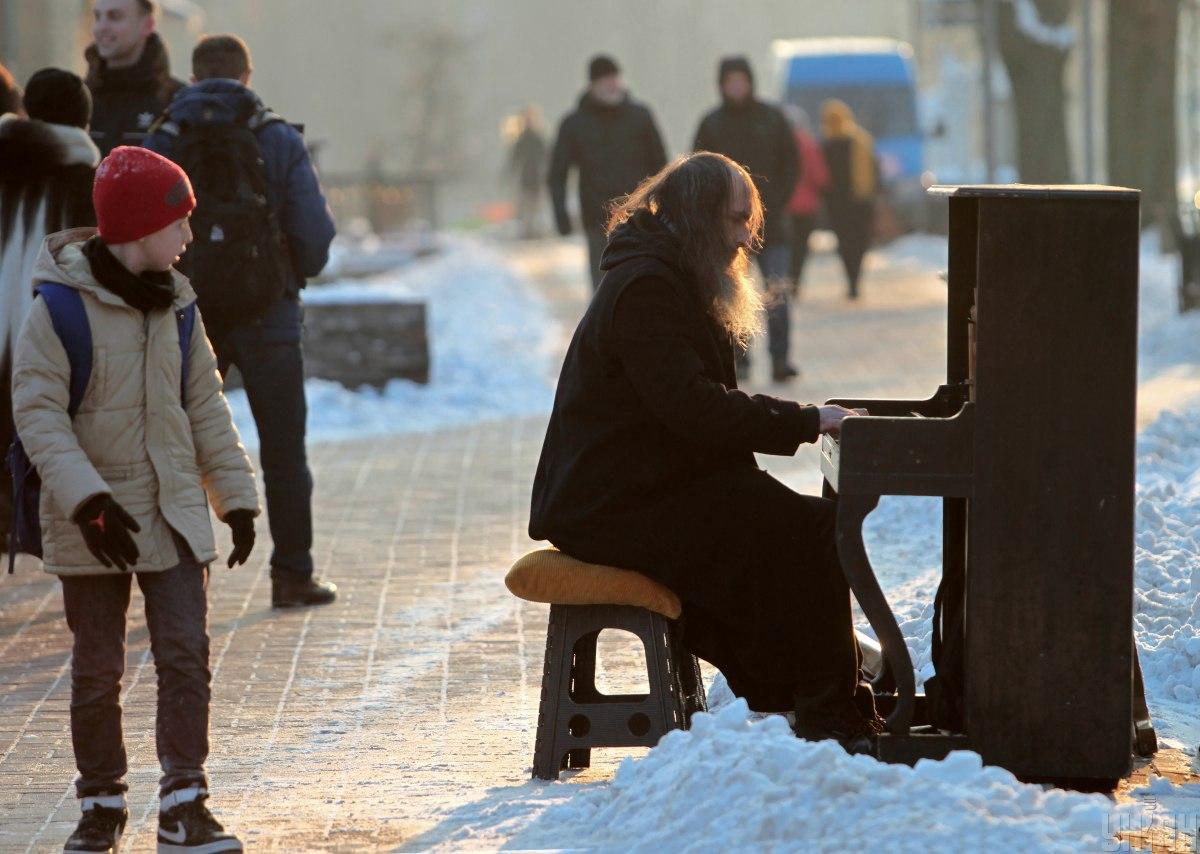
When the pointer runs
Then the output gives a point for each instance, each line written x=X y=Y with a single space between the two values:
x=548 y=575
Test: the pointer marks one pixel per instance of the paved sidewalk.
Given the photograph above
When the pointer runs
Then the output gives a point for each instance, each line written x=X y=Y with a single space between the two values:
x=366 y=725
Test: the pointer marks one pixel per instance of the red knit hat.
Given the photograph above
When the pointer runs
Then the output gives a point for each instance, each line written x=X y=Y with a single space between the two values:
x=138 y=192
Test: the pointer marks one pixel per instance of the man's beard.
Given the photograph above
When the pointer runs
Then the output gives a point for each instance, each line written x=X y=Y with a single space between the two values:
x=737 y=304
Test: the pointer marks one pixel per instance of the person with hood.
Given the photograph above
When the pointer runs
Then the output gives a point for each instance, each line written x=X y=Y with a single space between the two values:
x=806 y=200
x=128 y=72
x=47 y=162
x=854 y=179
x=266 y=347
x=614 y=143
x=756 y=135
x=648 y=461
x=130 y=456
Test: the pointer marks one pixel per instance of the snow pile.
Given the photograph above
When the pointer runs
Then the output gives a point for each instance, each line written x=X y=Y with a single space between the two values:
x=492 y=342
x=733 y=784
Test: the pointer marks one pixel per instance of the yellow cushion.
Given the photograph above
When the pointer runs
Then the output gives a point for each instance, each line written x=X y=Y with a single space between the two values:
x=548 y=575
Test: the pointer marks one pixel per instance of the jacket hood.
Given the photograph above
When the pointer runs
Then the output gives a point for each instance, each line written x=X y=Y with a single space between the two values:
x=645 y=236
x=61 y=259
x=214 y=101
x=149 y=73
x=31 y=147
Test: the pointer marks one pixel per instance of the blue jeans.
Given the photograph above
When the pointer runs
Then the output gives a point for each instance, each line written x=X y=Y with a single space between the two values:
x=774 y=261
x=177 y=619
x=270 y=358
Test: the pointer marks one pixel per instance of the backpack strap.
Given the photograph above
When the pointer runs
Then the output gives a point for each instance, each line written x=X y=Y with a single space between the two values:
x=185 y=319
x=70 y=322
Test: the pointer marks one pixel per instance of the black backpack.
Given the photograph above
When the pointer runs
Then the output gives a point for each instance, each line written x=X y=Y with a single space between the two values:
x=238 y=262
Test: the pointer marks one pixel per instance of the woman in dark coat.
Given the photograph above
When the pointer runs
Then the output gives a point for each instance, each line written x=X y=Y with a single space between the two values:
x=649 y=461
x=850 y=200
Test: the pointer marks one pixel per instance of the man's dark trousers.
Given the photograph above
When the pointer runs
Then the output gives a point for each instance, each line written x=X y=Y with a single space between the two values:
x=268 y=354
x=597 y=242
x=177 y=617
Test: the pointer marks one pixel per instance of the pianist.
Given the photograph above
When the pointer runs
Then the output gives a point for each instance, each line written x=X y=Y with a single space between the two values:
x=648 y=461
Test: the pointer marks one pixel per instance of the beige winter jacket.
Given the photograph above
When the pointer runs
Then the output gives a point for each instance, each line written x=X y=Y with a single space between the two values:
x=131 y=438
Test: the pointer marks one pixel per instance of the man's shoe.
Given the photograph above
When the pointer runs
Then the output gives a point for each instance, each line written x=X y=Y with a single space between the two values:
x=293 y=593
x=100 y=827
x=781 y=372
x=185 y=826
x=822 y=716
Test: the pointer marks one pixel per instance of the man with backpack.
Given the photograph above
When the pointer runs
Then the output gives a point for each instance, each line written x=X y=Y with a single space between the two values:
x=261 y=227
x=121 y=417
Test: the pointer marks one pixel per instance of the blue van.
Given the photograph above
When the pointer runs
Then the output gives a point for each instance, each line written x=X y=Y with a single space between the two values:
x=877 y=79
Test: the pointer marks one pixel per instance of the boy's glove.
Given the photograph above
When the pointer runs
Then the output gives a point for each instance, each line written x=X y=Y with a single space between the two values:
x=106 y=530
x=241 y=523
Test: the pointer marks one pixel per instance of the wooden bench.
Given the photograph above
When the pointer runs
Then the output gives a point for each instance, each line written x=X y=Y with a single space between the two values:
x=585 y=599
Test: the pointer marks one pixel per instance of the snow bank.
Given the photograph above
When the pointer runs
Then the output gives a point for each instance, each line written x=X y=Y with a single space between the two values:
x=733 y=784
x=492 y=356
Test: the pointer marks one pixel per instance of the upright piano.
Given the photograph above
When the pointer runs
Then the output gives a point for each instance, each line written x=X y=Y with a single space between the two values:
x=1030 y=443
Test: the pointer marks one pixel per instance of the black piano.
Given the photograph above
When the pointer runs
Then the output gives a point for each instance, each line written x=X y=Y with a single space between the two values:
x=1031 y=445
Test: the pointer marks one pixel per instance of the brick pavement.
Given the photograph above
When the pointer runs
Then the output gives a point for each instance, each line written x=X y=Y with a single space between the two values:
x=367 y=725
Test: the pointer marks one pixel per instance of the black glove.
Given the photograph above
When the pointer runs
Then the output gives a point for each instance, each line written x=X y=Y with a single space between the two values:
x=106 y=530
x=241 y=523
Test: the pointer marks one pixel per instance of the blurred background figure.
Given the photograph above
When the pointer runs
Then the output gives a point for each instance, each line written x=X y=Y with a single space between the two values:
x=527 y=167
x=10 y=93
x=128 y=72
x=756 y=135
x=854 y=180
x=614 y=143
x=47 y=162
x=806 y=199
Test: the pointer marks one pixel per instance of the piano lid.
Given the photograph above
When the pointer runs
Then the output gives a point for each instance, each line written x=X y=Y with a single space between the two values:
x=1034 y=191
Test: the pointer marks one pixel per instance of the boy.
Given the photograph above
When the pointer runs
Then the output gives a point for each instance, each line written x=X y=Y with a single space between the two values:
x=124 y=483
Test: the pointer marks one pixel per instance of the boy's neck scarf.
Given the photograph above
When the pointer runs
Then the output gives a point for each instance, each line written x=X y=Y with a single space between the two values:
x=151 y=290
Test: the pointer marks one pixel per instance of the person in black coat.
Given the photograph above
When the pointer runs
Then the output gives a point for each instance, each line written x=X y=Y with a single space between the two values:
x=614 y=144
x=648 y=461
x=758 y=136
x=128 y=72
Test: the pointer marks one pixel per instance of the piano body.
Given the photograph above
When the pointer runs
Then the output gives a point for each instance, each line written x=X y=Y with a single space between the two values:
x=1030 y=443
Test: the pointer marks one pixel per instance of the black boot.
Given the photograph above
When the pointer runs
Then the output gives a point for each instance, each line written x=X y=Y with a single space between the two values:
x=100 y=827
x=829 y=712
x=292 y=593
x=188 y=827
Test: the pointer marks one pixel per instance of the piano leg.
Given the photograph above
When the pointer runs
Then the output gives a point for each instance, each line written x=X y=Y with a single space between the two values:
x=1145 y=740
x=852 y=510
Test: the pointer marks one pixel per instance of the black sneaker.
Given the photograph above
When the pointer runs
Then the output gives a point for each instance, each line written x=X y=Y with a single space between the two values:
x=288 y=593
x=99 y=830
x=189 y=828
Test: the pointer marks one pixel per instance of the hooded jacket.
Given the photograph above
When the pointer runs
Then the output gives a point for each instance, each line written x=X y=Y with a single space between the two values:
x=132 y=437
x=613 y=146
x=293 y=189
x=648 y=400
x=126 y=101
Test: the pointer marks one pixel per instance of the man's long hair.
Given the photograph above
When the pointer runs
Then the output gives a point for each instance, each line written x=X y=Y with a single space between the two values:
x=691 y=197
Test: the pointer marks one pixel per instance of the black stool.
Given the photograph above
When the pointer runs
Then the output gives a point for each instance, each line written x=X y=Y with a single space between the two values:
x=574 y=716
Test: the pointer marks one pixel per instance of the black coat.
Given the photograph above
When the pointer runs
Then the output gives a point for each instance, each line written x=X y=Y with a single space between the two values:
x=758 y=136
x=613 y=147
x=126 y=101
x=648 y=464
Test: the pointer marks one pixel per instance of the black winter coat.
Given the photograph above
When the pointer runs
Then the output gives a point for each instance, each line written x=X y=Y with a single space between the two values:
x=758 y=136
x=126 y=101
x=614 y=148
x=648 y=464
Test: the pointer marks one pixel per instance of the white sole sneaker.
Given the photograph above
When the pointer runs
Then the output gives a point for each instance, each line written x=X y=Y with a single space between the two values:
x=221 y=847
x=116 y=848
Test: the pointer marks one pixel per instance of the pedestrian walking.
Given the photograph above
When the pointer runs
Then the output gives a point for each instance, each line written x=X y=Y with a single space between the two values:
x=756 y=135
x=613 y=143
x=118 y=406
x=47 y=162
x=648 y=461
x=128 y=72
x=854 y=180
x=805 y=204
x=248 y=265
x=527 y=167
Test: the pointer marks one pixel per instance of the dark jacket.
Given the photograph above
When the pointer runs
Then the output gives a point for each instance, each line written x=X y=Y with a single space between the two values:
x=647 y=400
x=614 y=148
x=758 y=136
x=126 y=101
x=292 y=186
x=527 y=160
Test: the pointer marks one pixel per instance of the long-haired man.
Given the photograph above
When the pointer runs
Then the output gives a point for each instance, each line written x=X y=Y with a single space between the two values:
x=648 y=461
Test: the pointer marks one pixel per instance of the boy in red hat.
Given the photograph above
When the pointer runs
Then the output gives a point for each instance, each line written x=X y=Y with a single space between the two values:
x=132 y=438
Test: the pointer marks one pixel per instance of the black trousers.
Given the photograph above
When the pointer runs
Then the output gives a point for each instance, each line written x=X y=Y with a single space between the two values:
x=755 y=565
x=597 y=240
